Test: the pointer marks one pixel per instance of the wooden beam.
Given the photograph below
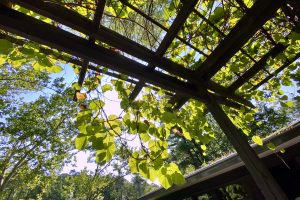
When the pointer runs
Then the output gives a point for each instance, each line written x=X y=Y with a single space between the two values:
x=220 y=32
x=96 y=23
x=256 y=68
x=68 y=59
x=277 y=71
x=78 y=22
x=43 y=33
x=259 y=172
x=167 y=40
x=233 y=42
x=125 y=2
x=257 y=15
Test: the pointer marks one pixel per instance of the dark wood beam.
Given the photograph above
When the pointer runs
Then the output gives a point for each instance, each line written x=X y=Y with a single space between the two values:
x=103 y=34
x=68 y=59
x=259 y=172
x=49 y=35
x=256 y=68
x=78 y=22
x=277 y=71
x=125 y=2
x=96 y=23
x=256 y=16
x=263 y=30
x=62 y=40
x=167 y=40
x=220 y=32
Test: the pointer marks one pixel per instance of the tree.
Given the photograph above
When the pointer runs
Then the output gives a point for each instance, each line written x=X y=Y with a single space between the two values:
x=36 y=140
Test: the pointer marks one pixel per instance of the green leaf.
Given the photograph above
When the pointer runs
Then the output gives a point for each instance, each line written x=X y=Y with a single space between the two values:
x=106 y=87
x=145 y=137
x=37 y=66
x=249 y=117
x=81 y=141
x=289 y=103
x=282 y=150
x=5 y=46
x=165 y=181
x=152 y=174
x=143 y=170
x=168 y=117
x=142 y=127
x=96 y=104
x=54 y=69
x=203 y=147
x=257 y=140
x=271 y=146
x=81 y=96
x=76 y=86
x=97 y=143
x=178 y=178
x=217 y=14
x=133 y=165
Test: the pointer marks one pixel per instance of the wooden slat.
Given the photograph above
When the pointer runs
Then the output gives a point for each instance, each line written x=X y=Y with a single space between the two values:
x=40 y=32
x=263 y=30
x=169 y=37
x=125 y=2
x=78 y=22
x=256 y=68
x=257 y=15
x=68 y=59
x=220 y=32
x=96 y=23
x=103 y=34
x=277 y=71
x=259 y=172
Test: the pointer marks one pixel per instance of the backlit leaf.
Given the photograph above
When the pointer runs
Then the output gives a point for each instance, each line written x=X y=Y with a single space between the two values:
x=81 y=141
x=257 y=140
x=81 y=96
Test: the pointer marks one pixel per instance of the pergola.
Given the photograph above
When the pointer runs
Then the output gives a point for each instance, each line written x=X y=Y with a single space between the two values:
x=182 y=82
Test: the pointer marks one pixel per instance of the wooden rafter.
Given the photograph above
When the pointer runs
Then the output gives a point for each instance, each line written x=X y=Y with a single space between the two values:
x=54 y=37
x=256 y=16
x=277 y=71
x=79 y=23
x=167 y=40
x=256 y=68
x=96 y=23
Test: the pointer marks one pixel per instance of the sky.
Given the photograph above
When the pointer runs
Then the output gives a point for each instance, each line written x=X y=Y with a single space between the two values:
x=112 y=106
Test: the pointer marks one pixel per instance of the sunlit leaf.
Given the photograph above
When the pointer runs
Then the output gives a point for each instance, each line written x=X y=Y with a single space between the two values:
x=271 y=146
x=96 y=104
x=81 y=96
x=106 y=87
x=81 y=141
x=257 y=140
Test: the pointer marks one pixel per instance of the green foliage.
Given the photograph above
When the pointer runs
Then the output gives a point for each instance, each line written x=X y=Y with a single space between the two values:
x=36 y=139
x=257 y=140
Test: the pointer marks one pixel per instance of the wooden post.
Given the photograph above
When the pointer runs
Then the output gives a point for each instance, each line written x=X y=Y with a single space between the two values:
x=261 y=175
x=251 y=188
